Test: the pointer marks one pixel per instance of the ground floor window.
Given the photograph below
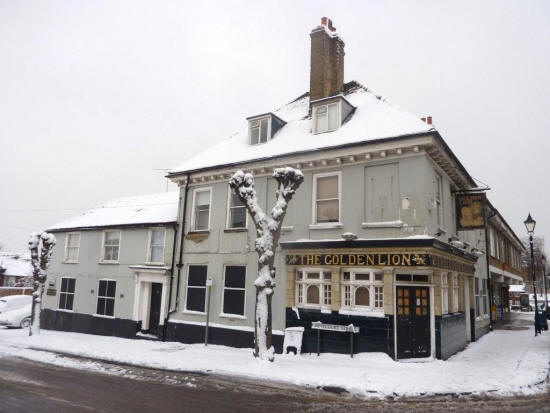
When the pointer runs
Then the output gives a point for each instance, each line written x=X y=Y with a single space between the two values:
x=363 y=290
x=313 y=288
x=444 y=294
x=480 y=289
x=196 y=288
x=66 y=294
x=234 y=290
x=455 y=293
x=106 y=298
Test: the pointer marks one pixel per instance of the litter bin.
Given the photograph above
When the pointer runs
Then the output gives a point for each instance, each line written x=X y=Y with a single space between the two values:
x=542 y=323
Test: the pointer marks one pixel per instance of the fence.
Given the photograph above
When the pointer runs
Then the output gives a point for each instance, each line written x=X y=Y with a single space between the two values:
x=5 y=291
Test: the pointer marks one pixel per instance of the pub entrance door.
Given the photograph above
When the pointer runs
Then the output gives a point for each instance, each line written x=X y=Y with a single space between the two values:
x=413 y=322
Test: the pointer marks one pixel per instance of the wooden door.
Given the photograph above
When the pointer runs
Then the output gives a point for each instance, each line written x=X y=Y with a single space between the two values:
x=413 y=322
x=154 y=310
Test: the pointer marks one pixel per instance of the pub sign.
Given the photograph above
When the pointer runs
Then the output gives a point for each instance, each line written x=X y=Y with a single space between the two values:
x=469 y=211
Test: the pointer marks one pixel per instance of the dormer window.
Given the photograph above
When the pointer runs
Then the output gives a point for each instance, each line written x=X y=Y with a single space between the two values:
x=328 y=114
x=262 y=128
x=259 y=130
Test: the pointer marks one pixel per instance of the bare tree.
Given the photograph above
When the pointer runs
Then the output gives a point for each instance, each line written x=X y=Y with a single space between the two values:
x=268 y=231
x=538 y=252
x=40 y=246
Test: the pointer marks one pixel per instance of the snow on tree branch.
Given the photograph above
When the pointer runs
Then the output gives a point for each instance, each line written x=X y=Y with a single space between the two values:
x=268 y=231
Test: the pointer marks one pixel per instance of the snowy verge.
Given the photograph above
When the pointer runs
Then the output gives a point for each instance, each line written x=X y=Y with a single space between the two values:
x=500 y=363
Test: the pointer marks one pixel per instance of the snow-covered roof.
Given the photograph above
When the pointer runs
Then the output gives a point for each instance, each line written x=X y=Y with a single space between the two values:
x=15 y=264
x=135 y=210
x=374 y=118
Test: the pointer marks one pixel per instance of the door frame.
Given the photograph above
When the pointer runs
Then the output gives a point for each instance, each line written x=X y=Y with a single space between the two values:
x=142 y=294
x=430 y=287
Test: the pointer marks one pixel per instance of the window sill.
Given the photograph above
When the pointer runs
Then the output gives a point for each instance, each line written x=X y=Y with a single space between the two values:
x=363 y=313
x=65 y=311
x=159 y=264
x=328 y=225
x=235 y=230
x=108 y=262
x=69 y=262
x=103 y=316
x=199 y=231
x=232 y=316
x=193 y=312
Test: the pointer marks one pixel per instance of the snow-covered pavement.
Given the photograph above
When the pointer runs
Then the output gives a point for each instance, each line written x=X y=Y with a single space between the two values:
x=502 y=362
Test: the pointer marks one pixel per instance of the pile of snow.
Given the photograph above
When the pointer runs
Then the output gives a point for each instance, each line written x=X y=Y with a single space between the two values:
x=504 y=362
x=145 y=209
x=374 y=118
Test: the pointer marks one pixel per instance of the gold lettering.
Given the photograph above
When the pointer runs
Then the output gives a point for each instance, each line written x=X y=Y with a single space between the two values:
x=317 y=259
x=309 y=259
x=360 y=260
x=396 y=259
x=380 y=262
x=406 y=259
x=335 y=260
x=370 y=259
x=328 y=259
x=352 y=259
x=342 y=261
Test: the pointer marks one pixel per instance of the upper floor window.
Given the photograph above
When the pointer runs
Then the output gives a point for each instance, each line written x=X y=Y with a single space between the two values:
x=111 y=246
x=236 y=216
x=201 y=209
x=326 y=118
x=438 y=199
x=260 y=130
x=156 y=245
x=363 y=290
x=492 y=241
x=72 y=246
x=313 y=288
x=326 y=203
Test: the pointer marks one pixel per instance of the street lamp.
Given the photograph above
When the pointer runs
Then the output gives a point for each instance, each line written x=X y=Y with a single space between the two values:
x=530 y=226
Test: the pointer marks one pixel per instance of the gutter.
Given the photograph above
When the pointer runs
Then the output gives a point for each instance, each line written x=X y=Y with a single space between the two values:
x=180 y=262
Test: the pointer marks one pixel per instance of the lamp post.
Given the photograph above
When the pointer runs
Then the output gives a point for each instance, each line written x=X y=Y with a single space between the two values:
x=530 y=226
x=543 y=261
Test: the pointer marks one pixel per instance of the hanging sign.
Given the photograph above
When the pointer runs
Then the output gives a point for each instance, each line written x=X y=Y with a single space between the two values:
x=469 y=211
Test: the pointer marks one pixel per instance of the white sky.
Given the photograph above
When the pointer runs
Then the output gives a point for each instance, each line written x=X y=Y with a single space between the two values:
x=94 y=96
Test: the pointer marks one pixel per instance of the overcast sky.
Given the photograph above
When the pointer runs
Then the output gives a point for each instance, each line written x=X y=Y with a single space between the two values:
x=95 y=96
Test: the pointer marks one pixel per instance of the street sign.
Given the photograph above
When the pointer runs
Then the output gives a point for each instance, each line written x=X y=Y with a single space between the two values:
x=317 y=325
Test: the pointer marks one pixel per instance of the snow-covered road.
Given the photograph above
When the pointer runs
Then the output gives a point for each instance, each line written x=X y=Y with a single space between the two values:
x=502 y=362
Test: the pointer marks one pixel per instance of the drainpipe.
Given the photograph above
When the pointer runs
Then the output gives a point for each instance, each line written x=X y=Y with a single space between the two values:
x=180 y=261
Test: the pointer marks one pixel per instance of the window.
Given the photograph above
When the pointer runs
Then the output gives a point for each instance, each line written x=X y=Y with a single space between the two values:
x=438 y=199
x=237 y=212
x=444 y=294
x=201 y=209
x=363 y=290
x=106 y=298
x=72 y=245
x=326 y=191
x=111 y=245
x=259 y=130
x=234 y=290
x=326 y=117
x=477 y=297
x=66 y=295
x=455 y=293
x=156 y=245
x=196 y=288
x=492 y=241
x=484 y=297
x=313 y=288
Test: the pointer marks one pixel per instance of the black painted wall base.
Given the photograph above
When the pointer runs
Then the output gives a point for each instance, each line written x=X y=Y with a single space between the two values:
x=87 y=324
x=375 y=333
x=450 y=335
x=191 y=333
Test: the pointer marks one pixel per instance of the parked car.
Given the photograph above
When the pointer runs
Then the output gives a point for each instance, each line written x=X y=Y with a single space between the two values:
x=15 y=311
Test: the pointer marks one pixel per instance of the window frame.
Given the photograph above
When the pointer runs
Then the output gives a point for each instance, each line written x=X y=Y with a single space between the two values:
x=456 y=292
x=193 y=209
x=229 y=207
x=185 y=310
x=314 y=199
x=103 y=260
x=439 y=205
x=259 y=120
x=105 y=297
x=304 y=283
x=66 y=259
x=371 y=284
x=66 y=293
x=316 y=107
x=444 y=293
x=231 y=315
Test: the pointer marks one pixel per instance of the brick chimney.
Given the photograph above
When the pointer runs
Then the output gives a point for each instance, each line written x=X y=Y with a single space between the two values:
x=327 y=61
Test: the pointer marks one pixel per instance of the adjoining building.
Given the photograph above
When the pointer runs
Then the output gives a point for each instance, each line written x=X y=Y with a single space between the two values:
x=111 y=268
x=15 y=269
